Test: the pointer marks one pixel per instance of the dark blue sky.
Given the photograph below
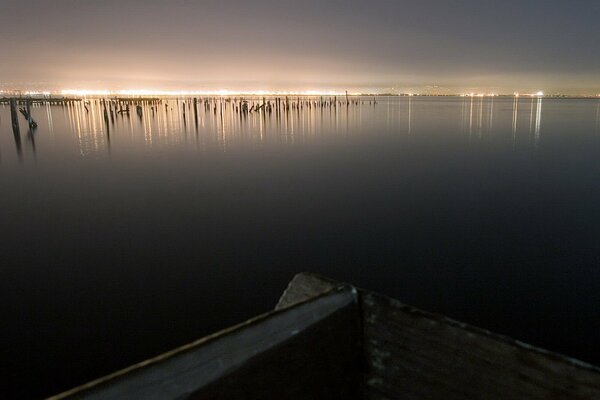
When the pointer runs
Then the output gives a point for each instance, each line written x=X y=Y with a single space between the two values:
x=408 y=45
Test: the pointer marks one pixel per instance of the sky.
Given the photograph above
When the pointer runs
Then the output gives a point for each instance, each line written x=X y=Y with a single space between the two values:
x=440 y=46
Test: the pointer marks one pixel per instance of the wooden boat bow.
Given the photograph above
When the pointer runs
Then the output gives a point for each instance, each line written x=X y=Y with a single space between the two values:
x=327 y=340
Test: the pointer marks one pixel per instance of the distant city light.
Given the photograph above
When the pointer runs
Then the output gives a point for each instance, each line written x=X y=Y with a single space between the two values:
x=221 y=92
x=259 y=93
x=37 y=93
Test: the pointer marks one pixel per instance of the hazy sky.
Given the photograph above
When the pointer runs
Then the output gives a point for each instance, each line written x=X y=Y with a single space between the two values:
x=550 y=45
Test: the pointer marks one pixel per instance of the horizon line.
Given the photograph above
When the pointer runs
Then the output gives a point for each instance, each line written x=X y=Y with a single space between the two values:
x=260 y=92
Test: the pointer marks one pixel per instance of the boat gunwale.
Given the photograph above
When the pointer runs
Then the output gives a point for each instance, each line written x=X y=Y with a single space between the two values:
x=440 y=318
x=196 y=344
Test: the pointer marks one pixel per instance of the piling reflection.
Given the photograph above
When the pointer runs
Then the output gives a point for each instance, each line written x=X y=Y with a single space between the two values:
x=17 y=136
x=15 y=128
x=97 y=126
x=31 y=139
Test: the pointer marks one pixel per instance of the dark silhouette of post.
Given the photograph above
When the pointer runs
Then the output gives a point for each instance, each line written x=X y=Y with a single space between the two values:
x=15 y=126
x=13 y=116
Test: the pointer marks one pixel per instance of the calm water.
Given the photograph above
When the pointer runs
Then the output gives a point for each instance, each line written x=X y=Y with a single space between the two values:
x=120 y=241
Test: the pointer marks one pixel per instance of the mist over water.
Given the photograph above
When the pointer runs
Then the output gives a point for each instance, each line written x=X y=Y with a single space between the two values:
x=127 y=235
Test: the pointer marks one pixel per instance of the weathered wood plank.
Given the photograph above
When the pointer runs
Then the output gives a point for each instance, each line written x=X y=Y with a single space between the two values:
x=330 y=340
x=416 y=355
x=413 y=354
x=305 y=351
x=323 y=363
x=304 y=286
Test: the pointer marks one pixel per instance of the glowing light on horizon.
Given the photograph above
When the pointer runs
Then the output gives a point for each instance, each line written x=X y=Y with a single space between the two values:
x=479 y=95
x=32 y=93
x=256 y=93
x=78 y=92
x=221 y=92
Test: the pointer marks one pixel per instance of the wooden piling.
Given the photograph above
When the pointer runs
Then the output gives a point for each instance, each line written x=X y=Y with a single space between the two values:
x=32 y=123
x=13 y=116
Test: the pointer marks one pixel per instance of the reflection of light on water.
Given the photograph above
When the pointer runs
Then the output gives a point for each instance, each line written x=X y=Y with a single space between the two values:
x=409 y=115
x=598 y=118
x=221 y=127
x=164 y=119
x=78 y=122
x=85 y=125
x=491 y=113
x=471 y=117
x=515 y=115
x=388 y=115
x=223 y=132
x=147 y=124
x=531 y=116
x=480 y=115
x=463 y=116
x=538 y=120
x=50 y=120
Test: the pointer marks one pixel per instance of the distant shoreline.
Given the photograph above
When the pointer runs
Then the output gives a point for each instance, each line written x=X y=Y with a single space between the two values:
x=6 y=96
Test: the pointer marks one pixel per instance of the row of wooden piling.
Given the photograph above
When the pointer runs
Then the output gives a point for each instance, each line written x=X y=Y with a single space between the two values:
x=113 y=107
x=240 y=105
x=25 y=111
x=273 y=103
x=14 y=117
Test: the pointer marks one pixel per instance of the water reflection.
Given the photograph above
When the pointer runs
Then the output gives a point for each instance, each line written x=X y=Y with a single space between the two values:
x=481 y=192
x=471 y=117
x=480 y=116
x=538 y=120
x=491 y=118
x=515 y=116
x=17 y=136
x=50 y=120
x=31 y=139
x=409 y=115
x=16 y=129
x=598 y=117
x=92 y=127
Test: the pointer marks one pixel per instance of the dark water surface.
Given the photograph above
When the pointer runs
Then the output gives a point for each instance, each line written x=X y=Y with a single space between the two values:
x=119 y=242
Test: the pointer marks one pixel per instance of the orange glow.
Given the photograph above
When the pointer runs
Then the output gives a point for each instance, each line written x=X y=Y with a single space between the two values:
x=222 y=92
